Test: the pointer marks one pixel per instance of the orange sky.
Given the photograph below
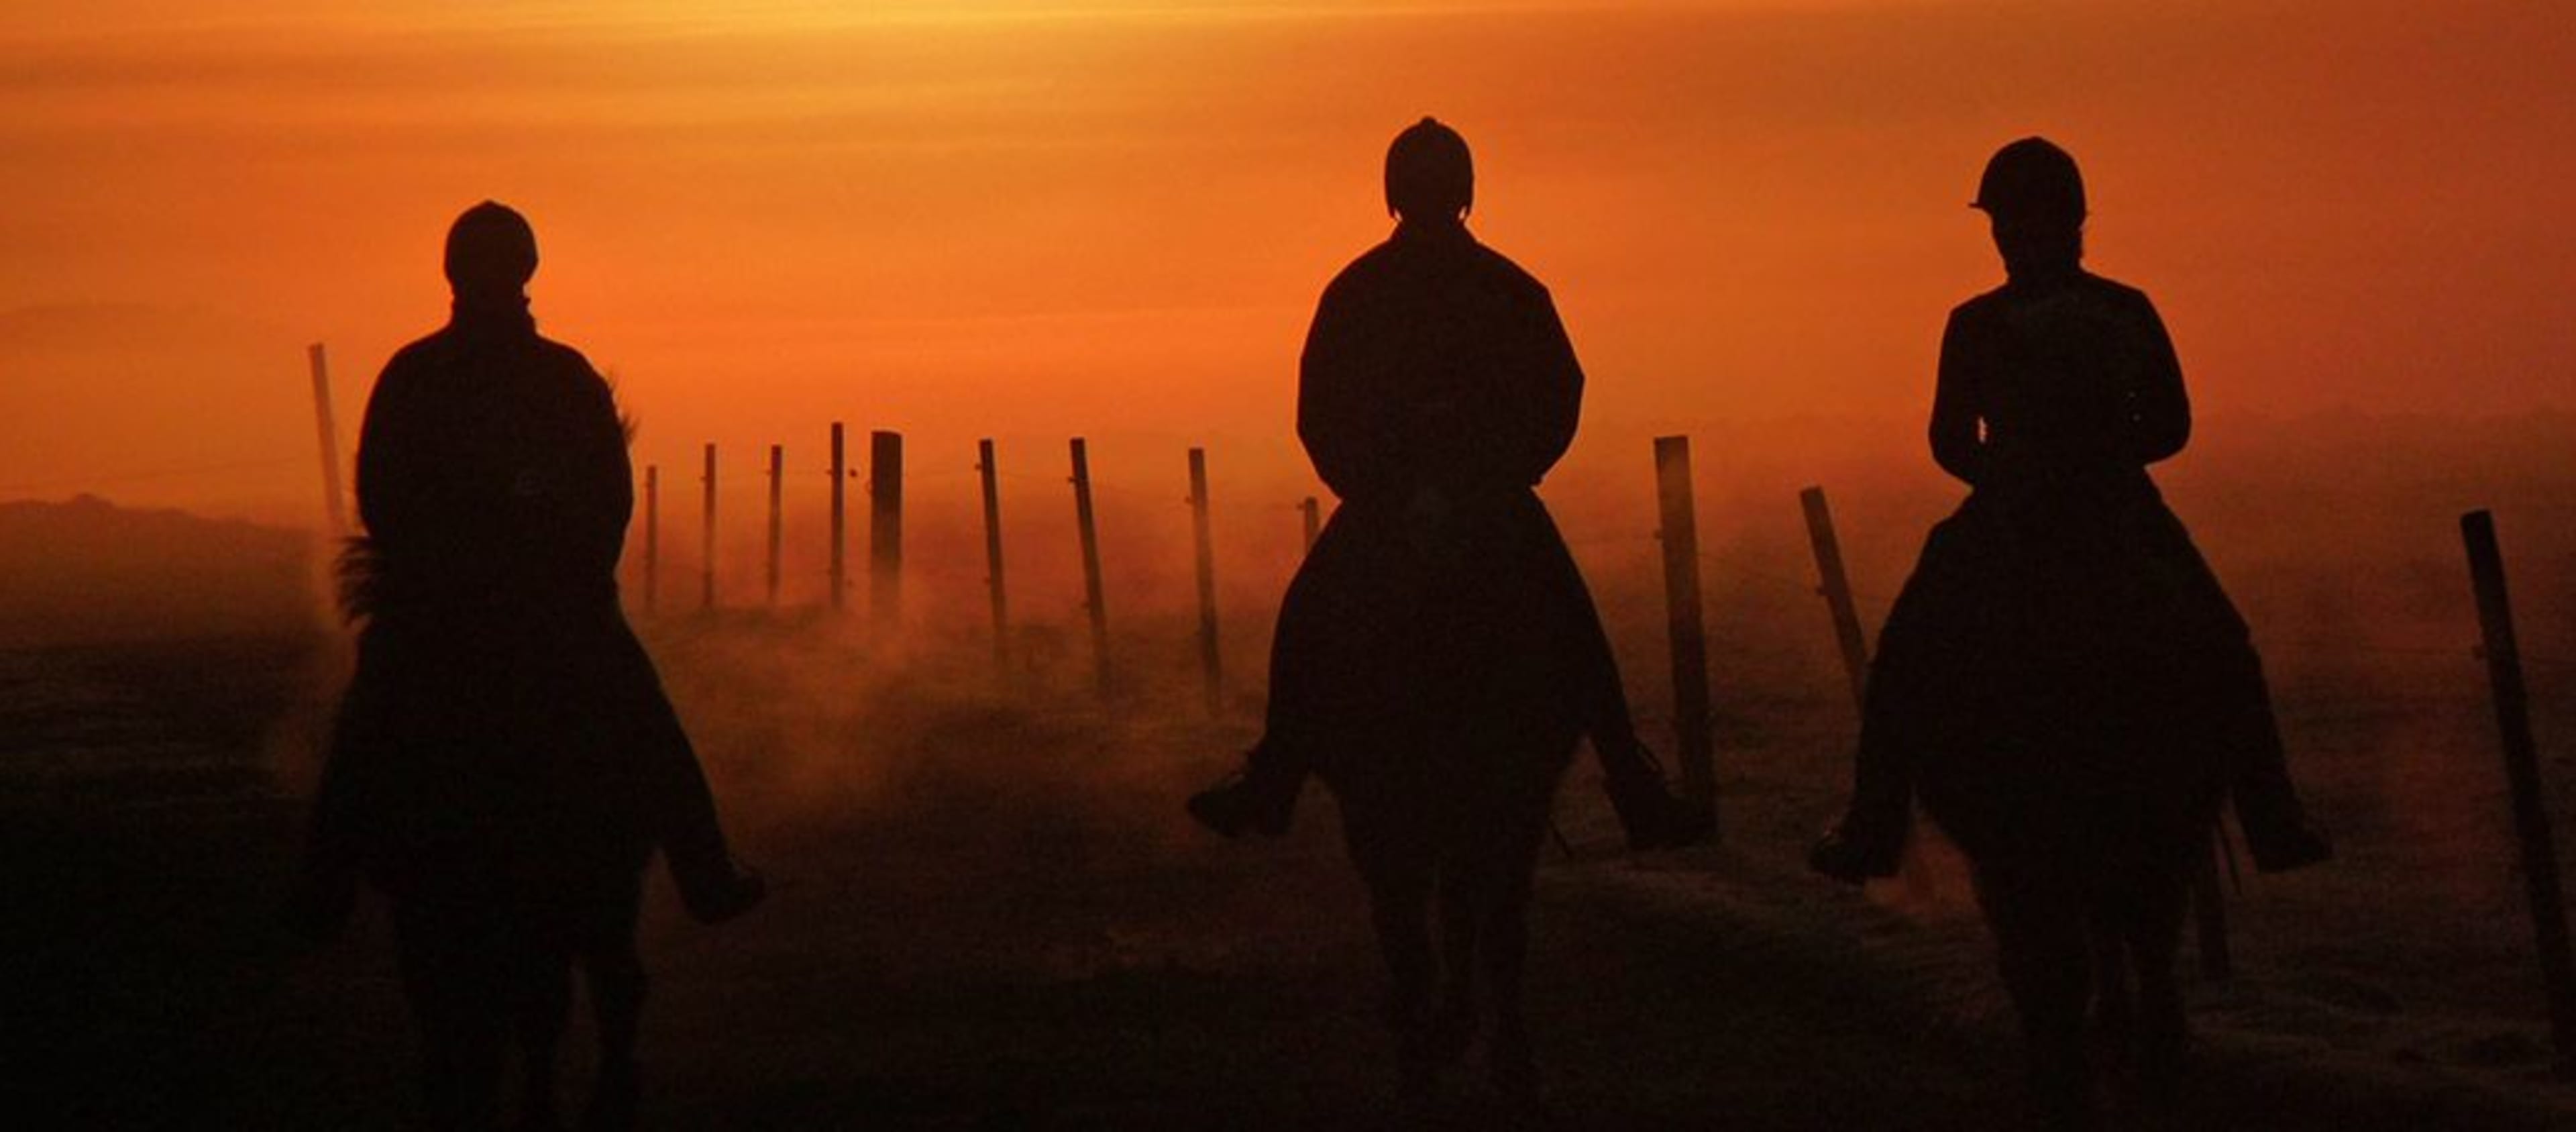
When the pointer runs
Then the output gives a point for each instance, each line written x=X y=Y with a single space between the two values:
x=1036 y=219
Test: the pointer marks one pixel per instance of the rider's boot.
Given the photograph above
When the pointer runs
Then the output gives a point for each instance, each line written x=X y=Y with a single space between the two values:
x=1653 y=816
x=2279 y=835
x=1262 y=797
x=1869 y=842
x=713 y=885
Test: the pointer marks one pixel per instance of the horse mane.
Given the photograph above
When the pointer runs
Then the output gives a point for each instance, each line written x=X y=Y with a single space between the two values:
x=360 y=573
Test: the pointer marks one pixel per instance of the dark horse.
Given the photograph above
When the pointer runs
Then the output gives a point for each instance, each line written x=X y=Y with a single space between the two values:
x=1452 y=722
x=1438 y=656
x=2062 y=681
x=505 y=763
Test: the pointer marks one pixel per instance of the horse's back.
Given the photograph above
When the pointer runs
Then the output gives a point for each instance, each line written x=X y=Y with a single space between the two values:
x=483 y=755
x=1456 y=671
x=2079 y=678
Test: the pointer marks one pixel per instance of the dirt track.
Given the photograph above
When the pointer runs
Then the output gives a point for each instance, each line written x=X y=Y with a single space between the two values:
x=1013 y=953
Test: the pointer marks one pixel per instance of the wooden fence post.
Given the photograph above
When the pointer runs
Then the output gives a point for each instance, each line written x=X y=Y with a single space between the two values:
x=1679 y=532
x=1091 y=588
x=2522 y=773
x=840 y=474
x=335 y=502
x=652 y=537
x=777 y=524
x=1210 y=662
x=1313 y=511
x=707 y=589
x=991 y=473
x=885 y=529
x=1837 y=591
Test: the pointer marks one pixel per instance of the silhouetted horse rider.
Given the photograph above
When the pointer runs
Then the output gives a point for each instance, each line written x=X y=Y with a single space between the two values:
x=2062 y=681
x=1437 y=655
x=505 y=761
x=1437 y=387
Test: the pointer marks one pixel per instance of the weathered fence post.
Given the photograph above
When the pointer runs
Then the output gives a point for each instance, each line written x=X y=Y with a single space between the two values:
x=1313 y=511
x=707 y=589
x=652 y=536
x=885 y=529
x=1210 y=663
x=1679 y=532
x=1091 y=595
x=992 y=473
x=335 y=502
x=777 y=524
x=1837 y=590
x=840 y=474
x=2522 y=773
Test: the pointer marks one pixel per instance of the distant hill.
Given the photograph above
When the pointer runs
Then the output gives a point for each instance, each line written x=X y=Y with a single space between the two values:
x=88 y=571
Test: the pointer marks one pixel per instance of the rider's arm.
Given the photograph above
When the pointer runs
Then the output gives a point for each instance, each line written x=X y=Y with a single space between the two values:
x=1344 y=429
x=2159 y=418
x=1956 y=443
x=1555 y=396
x=396 y=455
x=603 y=491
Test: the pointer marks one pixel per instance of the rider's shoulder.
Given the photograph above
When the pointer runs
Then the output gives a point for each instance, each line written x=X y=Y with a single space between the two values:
x=2112 y=291
x=1505 y=272
x=1402 y=262
x=2085 y=288
x=1981 y=307
x=1370 y=265
x=557 y=355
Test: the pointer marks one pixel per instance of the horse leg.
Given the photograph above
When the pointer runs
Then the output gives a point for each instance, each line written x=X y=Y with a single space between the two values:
x=614 y=970
x=2040 y=945
x=543 y=1009
x=452 y=979
x=617 y=985
x=1505 y=890
x=2114 y=1005
x=2155 y=942
x=1395 y=863
x=1463 y=938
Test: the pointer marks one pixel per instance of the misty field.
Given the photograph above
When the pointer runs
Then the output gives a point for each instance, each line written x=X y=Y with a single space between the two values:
x=988 y=911
x=989 y=914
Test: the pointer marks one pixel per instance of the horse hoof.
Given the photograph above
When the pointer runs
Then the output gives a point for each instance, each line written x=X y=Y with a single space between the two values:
x=1237 y=806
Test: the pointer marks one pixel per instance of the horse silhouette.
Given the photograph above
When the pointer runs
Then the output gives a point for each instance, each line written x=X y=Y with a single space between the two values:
x=2062 y=681
x=1447 y=766
x=1437 y=655
x=504 y=763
